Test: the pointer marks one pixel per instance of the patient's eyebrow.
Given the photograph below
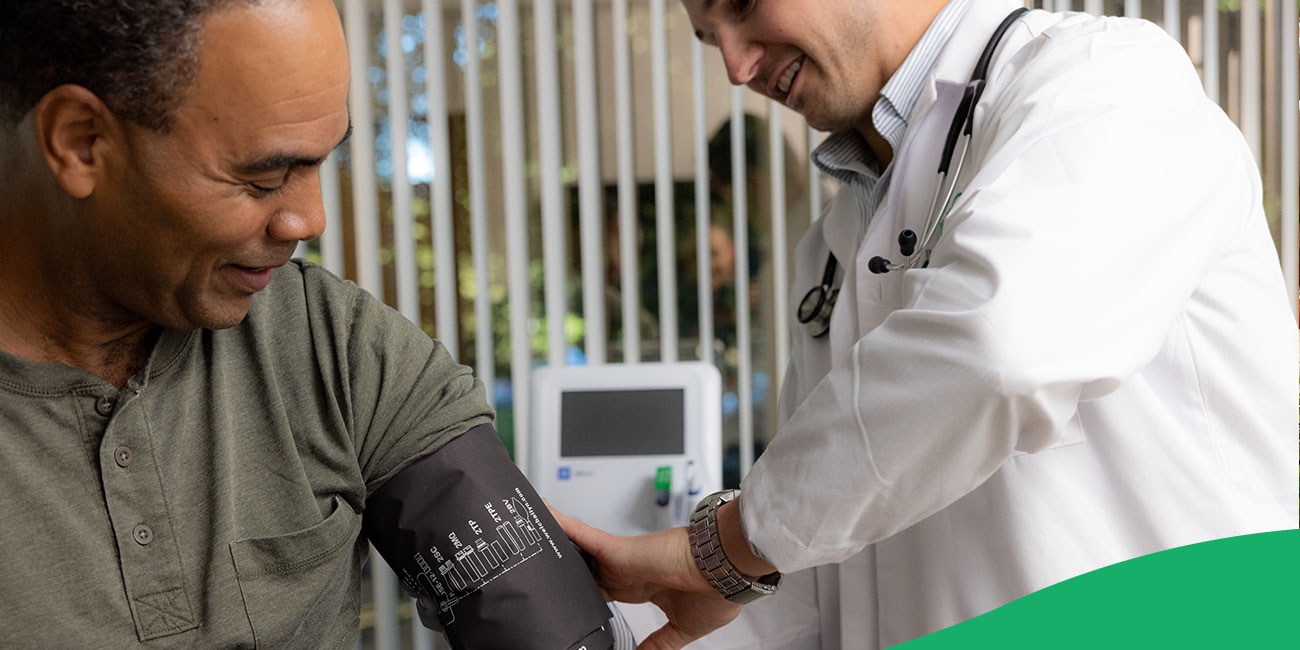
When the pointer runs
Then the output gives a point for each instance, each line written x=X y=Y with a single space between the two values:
x=285 y=160
x=278 y=160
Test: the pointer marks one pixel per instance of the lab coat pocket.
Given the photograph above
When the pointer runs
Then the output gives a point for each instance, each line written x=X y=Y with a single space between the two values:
x=298 y=588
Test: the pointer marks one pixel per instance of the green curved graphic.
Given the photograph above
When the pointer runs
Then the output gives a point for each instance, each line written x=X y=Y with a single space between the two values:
x=1240 y=592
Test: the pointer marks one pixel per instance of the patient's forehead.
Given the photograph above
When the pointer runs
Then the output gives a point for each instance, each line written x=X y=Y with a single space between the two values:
x=269 y=74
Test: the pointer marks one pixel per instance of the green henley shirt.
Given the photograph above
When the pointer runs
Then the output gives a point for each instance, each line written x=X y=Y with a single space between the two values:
x=215 y=501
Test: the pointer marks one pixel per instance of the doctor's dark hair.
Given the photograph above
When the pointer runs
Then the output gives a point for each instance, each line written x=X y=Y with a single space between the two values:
x=138 y=56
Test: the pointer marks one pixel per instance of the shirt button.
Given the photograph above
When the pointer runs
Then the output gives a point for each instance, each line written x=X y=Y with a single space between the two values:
x=142 y=534
x=122 y=455
x=104 y=405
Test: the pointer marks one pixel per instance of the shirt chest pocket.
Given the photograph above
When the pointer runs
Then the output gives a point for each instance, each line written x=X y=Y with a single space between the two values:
x=300 y=589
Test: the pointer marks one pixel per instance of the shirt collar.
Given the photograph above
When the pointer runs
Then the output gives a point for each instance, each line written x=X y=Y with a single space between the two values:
x=845 y=155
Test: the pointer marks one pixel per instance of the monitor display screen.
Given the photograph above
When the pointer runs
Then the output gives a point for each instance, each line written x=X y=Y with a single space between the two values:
x=623 y=422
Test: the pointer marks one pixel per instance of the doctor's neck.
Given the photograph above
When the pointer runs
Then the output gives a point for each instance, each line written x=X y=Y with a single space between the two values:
x=879 y=146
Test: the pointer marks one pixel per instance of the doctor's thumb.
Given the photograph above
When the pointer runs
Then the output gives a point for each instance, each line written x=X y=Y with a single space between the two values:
x=588 y=538
x=667 y=637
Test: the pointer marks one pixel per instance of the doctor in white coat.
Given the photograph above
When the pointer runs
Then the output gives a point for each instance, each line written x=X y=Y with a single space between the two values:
x=1098 y=361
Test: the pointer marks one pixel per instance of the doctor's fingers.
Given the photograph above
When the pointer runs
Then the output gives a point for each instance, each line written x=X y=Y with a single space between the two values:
x=690 y=616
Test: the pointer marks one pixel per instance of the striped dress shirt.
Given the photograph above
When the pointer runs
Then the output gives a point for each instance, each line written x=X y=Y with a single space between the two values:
x=845 y=156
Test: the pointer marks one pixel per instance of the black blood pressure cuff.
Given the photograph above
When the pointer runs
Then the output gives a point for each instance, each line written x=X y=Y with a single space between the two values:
x=469 y=537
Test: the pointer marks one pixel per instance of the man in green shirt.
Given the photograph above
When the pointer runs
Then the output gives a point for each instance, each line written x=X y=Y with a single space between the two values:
x=190 y=424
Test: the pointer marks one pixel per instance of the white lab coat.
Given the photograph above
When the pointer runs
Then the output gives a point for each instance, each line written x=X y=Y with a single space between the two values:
x=1097 y=364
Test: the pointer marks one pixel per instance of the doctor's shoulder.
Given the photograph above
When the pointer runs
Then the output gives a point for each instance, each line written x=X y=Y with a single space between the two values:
x=1104 y=59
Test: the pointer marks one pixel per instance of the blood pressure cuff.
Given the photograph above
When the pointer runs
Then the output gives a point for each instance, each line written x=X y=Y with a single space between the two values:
x=469 y=537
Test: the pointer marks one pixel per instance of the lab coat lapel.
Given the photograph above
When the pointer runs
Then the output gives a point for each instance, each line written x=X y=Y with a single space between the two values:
x=840 y=234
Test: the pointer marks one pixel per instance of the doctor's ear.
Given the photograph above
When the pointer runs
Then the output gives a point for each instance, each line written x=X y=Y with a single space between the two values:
x=75 y=129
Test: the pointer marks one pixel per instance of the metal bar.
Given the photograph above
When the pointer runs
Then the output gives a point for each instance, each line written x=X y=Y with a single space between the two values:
x=1093 y=7
x=1173 y=20
x=780 y=272
x=478 y=238
x=740 y=237
x=365 y=202
x=1210 y=45
x=421 y=636
x=1251 y=82
x=383 y=594
x=516 y=218
x=664 y=223
x=627 y=221
x=814 y=178
x=365 y=198
x=408 y=273
x=1061 y=5
x=589 y=203
x=1290 y=156
x=703 y=218
x=1133 y=8
x=444 y=250
x=548 y=126
x=331 y=241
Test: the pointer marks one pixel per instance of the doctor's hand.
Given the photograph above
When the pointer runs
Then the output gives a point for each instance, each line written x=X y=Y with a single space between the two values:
x=657 y=568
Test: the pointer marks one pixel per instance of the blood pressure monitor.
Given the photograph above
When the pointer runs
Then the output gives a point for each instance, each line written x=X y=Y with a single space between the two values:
x=628 y=448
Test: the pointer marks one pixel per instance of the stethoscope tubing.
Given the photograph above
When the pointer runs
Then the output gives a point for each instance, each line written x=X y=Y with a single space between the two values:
x=820 y=300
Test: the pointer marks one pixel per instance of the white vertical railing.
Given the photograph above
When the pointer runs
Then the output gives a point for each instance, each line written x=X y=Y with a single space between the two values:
x=548 y=126
x=664 y=226
x=629 y=288
x=1133 y=8
x=365 y=196
x=440 y=208
x=408 y=292
x=1061 y=5
x=1251 y=85
x=365 y=210
x=1210 y=47
x=478 y=219
x=780 y=272
x=740 y=238
x=1290 y=135
x=331 y=241
x=703 y=209
x=589 y=190
x=1173 y=20
x=516 y=205
x=1093 y=7
x=444 y=252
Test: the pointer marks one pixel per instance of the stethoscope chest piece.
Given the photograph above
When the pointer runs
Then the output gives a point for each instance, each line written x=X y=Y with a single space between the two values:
x=819 y=303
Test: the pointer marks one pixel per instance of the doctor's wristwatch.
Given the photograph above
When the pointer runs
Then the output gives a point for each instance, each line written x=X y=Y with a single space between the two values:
x=711 y=560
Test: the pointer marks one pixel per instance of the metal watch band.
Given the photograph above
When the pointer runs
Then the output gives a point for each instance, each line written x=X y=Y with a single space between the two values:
x=711 y=560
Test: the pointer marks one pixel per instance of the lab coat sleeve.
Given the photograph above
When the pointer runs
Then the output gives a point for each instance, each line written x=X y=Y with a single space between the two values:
x=1103 y=185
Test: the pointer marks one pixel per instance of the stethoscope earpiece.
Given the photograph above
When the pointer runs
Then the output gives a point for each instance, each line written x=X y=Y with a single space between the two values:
x=906 y=246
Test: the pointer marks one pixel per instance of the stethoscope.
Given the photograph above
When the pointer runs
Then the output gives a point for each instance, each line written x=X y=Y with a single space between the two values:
x=816 y=307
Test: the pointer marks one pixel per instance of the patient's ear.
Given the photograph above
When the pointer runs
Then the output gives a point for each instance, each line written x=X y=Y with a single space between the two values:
x=76 y=130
